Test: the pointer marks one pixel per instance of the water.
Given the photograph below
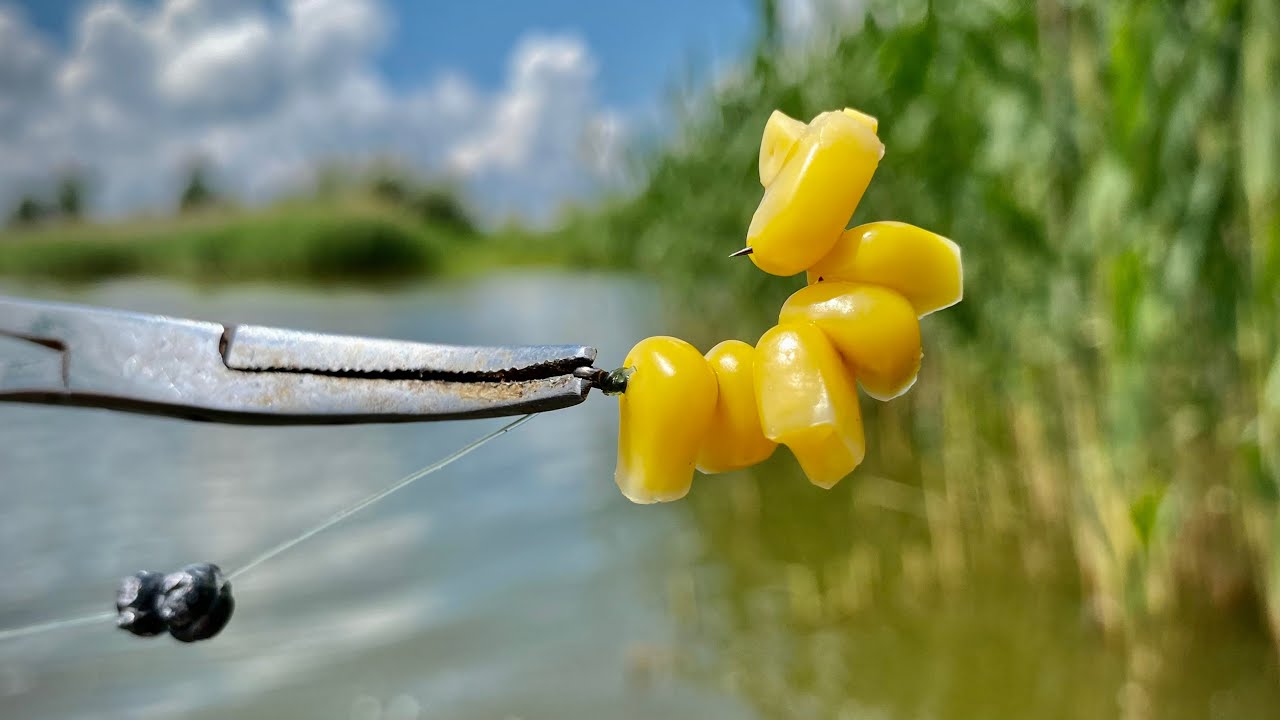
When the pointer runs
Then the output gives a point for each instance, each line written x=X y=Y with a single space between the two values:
x=518 y=583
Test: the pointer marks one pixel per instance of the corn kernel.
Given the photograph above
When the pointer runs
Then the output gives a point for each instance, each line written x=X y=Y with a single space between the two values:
x=809 y=200
x=808 y=402
x=735 y=440
x=664 y=417
x=863 y=118
x=924 y=267
x=781 y=134
x=874 y=328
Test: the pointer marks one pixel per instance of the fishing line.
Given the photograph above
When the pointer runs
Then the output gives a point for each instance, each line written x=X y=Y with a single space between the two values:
x=44 y=627
x=380 y=495
x=406 y=481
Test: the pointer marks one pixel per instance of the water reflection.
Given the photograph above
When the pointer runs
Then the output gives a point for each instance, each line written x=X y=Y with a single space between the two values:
x=513 y=584
x=519 y=583
x=836 y=604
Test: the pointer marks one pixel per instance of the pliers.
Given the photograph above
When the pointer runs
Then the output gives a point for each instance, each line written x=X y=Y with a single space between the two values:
x=248 y=374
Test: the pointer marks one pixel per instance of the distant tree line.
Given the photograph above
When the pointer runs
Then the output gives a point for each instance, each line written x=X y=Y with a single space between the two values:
x=69 y=198
x=198 y=191
x=67 y=202
x=434 y=203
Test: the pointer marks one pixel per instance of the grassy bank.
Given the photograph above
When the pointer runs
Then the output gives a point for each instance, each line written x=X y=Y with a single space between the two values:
x=300 y=241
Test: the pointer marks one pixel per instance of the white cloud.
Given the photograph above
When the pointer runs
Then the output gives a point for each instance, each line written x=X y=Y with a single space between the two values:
x=26 y=71
x=542 y=124
x=225 y=70
x=801 y=20
x=267 y=96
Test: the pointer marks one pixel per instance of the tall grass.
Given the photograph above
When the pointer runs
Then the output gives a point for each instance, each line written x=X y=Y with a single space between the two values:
x=1111 y=169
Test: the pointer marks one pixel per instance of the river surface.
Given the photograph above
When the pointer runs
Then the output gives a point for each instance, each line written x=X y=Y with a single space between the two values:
x=518 y=583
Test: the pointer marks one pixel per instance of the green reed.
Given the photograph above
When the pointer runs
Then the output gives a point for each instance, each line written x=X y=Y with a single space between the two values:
x=1111 y=383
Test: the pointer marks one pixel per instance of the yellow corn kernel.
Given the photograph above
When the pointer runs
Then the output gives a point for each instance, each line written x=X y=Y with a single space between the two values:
x=873 y=327
x=735 y=440
x=664 y=416
x=781 y=133
x=863 y=118
x=809 y=201
x=925 y=267
x=808 y=401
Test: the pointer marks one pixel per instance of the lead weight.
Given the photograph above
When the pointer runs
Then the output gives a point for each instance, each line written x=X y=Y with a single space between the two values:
x=137 y=602
x=197 y=602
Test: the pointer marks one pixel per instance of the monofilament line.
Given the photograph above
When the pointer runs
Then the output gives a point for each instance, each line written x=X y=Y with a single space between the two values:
x=378 y=496
x=334 y=519
x=52 y=625
x=404 y=482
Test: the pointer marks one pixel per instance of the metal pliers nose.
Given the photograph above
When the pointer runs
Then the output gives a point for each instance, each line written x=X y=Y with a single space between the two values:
x=248 y=374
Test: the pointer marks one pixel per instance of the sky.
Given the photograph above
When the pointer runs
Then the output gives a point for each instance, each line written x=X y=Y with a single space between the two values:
x=527 y=105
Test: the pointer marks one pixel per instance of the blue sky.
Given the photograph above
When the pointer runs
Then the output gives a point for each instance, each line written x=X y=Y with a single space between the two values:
x=528 y=106
x=642 y=46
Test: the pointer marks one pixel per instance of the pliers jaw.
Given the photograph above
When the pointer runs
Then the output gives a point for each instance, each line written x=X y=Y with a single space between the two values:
x=256 y=375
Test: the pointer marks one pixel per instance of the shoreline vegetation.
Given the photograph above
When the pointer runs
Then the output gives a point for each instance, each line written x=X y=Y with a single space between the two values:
x=358 y=237
x=290 y=242
x=1111 y=382
x=370 y=224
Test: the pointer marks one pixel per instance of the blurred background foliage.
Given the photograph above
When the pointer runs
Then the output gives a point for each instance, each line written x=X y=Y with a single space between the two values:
x=1107 y=397
x=1112 y=172
x=1107 y=392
